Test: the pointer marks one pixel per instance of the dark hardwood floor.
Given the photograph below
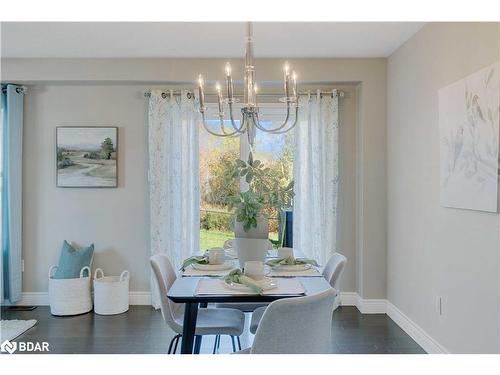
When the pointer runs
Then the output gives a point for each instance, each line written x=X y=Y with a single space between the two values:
x=142 y=330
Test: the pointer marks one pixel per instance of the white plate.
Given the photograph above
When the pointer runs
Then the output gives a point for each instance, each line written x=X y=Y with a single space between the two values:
x=266 y=283
x=213 y=267
x=293 y=268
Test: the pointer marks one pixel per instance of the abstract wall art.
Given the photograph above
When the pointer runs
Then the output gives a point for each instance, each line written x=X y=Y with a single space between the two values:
x=469 y=134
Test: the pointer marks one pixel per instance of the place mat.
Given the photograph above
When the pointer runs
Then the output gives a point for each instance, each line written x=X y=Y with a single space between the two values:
x=311 y=272
x=274 y=253
x=216 y=287
x=190 y=271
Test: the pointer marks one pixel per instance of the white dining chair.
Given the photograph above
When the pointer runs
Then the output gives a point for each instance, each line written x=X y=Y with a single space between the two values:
x=332 y=273
x=334 y=269
x=301 y=325
x=210 y=321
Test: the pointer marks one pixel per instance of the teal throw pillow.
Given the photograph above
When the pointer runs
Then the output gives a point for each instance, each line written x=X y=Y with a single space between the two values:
x=73 y=260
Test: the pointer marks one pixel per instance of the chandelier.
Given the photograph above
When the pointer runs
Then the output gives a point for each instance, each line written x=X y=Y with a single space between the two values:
x=250 y=110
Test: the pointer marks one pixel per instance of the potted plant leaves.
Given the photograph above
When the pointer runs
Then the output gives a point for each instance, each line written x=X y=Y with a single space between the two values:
x=252 y=207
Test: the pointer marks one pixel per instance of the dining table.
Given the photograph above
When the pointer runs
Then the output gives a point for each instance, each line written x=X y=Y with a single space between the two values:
x=186 y=290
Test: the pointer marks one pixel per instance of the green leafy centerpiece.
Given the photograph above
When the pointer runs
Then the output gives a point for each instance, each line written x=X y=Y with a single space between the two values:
x=265 y=196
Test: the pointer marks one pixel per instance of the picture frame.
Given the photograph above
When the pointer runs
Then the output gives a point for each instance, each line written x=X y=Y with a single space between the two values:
x=469 y=129
x=87 y=156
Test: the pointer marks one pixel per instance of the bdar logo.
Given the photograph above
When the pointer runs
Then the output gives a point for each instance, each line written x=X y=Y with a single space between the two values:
x=9 y=347
x=21 y=346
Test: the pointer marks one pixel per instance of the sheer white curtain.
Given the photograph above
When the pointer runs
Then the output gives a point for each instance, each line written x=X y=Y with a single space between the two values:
x=173 y=174
x=316 y=177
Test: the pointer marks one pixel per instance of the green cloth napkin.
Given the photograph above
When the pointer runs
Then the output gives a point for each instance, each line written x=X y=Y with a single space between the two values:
x=290 y=261
x=236 y=276
x=203 y=259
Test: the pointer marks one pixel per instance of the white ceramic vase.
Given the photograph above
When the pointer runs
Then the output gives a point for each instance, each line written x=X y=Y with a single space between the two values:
x=254 y=244
x=251 y=249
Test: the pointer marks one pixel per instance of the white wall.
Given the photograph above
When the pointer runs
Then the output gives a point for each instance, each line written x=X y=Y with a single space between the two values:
x=116 y=220
x=432 y=250
x=109 y=92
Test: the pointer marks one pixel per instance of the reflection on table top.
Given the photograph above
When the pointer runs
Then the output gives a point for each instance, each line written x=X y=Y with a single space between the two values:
x=184 y=291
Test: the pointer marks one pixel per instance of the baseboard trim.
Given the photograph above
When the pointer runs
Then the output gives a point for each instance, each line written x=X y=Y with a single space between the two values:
x=371 y=306
x=383 y=306
x=42 y=299
x=139 y=298
x=365 y=306
x=422 y=338
x=348 y=298
x=33 y=299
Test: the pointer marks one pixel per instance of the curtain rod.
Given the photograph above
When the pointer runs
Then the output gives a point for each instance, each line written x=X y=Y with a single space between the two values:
x=340 y=93
x=19 y=90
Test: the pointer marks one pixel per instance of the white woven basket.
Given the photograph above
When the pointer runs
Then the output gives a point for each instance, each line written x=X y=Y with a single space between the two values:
x=70 y=296
x=110 y=293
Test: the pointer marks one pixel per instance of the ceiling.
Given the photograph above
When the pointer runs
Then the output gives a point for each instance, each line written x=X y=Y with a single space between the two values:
x=202 y=39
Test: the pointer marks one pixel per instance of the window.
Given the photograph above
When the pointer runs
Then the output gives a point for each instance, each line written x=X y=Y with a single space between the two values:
x=217 y=154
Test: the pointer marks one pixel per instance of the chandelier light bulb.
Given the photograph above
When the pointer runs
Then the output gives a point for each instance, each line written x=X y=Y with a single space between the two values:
x=286 y=68
x=201 y=93
x=228 y=69
x=219 y=99
x=294 y=84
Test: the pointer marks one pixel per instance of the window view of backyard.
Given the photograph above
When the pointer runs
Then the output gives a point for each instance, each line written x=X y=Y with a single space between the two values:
x=216 y=157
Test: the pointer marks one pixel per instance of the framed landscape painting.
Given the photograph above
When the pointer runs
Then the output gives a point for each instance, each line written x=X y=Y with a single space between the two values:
x=86 y=156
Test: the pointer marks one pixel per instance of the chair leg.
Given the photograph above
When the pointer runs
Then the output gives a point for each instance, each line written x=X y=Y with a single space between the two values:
x=170 y=345
x=239 y=342
x=176 y=342
x=215 y=344
x=175 y=338
x=197 y=344
x=218 y=343
x=234 y=345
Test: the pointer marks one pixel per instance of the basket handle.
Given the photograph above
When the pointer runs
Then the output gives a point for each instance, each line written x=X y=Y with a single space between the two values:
x=52 y=268
x=125 y=275
x=96 y=272
x=83 y=269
